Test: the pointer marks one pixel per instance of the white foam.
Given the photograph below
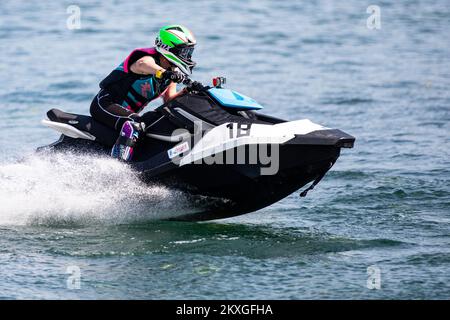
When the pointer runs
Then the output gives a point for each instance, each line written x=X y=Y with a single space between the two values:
x=69 y=188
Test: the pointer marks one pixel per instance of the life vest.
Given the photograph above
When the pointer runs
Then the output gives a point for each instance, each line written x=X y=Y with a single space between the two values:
x=134 y=91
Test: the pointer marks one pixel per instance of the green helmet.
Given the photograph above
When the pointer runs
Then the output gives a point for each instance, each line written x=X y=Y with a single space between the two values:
x=176 y=43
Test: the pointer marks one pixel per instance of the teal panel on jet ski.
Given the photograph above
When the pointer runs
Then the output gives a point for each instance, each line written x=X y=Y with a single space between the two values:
x=233 y=99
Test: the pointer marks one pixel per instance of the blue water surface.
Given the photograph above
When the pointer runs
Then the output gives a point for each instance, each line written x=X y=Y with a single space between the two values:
x=385 y=205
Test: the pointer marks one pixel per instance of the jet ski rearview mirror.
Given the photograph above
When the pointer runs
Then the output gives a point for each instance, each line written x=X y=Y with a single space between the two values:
x=219 y=81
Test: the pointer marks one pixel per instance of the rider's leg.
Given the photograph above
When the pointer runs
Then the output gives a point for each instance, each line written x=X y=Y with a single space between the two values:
x=104 y=110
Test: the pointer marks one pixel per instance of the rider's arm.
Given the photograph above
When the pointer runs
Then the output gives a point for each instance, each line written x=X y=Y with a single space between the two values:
x=146 y=65
x=171 y=92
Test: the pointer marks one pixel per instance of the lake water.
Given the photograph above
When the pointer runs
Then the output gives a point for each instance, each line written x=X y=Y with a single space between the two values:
x=383 y=210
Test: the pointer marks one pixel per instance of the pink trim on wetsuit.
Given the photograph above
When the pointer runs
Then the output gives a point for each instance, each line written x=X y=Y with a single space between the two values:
x=150 y=51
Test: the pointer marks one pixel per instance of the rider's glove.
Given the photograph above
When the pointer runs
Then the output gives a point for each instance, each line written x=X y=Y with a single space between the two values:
x=195 y=86
x=174 y=76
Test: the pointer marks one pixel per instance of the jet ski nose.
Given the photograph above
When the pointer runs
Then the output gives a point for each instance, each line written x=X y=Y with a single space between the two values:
x=328 y=137
x=345 y=140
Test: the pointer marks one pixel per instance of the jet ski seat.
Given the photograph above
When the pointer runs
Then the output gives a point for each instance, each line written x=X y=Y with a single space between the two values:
x=102 y=133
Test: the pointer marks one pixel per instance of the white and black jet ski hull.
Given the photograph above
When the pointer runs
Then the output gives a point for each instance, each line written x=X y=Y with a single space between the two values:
x=302 y=153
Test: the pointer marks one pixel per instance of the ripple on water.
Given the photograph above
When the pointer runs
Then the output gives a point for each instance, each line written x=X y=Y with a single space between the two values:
x=219 y=240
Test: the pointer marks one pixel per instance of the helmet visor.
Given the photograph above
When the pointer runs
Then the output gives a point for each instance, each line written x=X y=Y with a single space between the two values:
x=184 y=53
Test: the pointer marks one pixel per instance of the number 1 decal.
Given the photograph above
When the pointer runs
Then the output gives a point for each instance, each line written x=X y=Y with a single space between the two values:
x=242 y=130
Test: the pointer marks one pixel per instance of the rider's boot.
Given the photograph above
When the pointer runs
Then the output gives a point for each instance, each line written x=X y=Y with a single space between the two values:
x=126 y=143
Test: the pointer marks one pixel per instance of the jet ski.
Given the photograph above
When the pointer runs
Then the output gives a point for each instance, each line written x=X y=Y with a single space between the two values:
x=215 y=143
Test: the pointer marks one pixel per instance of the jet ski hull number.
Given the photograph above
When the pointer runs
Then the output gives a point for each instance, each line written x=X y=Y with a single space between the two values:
x=238 y=130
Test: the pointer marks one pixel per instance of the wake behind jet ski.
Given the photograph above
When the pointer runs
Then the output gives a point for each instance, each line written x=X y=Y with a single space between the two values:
x=213 y=142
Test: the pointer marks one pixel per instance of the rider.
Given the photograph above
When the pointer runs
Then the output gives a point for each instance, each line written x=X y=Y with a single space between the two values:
x=145 y=75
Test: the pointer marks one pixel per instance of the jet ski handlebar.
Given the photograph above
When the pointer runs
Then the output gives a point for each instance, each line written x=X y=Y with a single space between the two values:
x=194 y=86
x=217 y=82
x=187 y=81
